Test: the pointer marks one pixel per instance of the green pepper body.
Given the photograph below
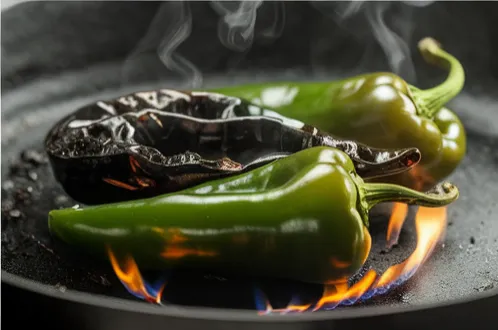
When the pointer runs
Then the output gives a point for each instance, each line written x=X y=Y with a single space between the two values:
x=380 y=110
x=304 y=217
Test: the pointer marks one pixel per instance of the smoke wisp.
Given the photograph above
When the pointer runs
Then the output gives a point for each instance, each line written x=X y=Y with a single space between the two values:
x=179 y=31
x=390 y=26
x=395 y=45
x=236 y=24
x=394 y=36
x=170 y=27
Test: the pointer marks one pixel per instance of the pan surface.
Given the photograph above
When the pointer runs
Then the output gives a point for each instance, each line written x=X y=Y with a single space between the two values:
x=465 y=265
x=464 y=269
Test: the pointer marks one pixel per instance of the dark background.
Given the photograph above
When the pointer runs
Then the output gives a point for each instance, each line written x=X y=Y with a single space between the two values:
x=42 y=38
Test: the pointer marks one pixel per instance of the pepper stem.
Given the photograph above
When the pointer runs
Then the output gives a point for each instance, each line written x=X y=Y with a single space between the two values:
x=441 y=195
x=431 y=100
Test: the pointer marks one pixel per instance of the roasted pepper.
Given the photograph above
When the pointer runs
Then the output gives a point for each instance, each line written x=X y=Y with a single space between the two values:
x=381 y=110
x=149 y=143
x=303 y=217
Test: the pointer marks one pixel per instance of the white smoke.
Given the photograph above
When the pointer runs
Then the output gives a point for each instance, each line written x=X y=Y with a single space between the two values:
x=276 y=29
x=394 y=43
x=394 y=39
x=181 y=26
x=236 y=25
x=170 y=27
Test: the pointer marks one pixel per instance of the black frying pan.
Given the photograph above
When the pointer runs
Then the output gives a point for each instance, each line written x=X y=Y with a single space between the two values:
x=46 y=281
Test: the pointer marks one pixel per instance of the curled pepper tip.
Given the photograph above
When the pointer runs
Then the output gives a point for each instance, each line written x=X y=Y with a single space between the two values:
x=431 y=100
x=446 y=190
x=429 y=46
x=441 y=195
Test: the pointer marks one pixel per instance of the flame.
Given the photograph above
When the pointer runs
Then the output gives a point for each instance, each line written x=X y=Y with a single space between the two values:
x=174 y=252
x=133 y=281
x=430 y=226
x=333 y=295
x=173 y=236
x=396 y=221
x=174 y=249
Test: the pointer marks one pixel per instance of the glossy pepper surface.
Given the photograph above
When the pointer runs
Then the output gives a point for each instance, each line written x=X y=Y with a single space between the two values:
x=381 y=110
x=153 y=142
x=303 y=217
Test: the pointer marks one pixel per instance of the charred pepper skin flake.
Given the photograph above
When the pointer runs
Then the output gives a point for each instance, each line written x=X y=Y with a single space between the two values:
x=381 y=110
x=269 y=221
x=148 y=143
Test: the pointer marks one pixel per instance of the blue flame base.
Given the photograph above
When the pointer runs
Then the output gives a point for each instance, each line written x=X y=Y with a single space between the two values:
x=261 y=301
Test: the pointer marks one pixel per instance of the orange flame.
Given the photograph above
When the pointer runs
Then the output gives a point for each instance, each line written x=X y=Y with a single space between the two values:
x=174 y=249
x=396 y=221
x=132 y=279
x=174 y=252
x=343 y=293
x=430 y=226
x=174 y=235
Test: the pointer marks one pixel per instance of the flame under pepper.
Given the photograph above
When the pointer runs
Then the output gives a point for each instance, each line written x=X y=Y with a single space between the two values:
x=382 y=110
x=153 y=142
x=304 y=217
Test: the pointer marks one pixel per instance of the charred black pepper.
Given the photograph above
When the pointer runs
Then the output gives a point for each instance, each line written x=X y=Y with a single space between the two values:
x=153 y=142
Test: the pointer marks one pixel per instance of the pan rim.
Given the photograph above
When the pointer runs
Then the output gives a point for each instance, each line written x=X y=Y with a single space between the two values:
x=225 y=314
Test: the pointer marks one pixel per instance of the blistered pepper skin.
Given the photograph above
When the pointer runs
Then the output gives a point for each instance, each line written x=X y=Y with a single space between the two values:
x=379 y=109
x=153 y=142
x=270 y=221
